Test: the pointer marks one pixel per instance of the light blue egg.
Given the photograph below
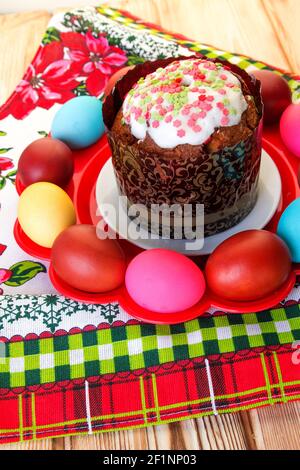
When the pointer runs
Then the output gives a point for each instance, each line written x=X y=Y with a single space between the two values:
x=79 y=122
x=289 y=229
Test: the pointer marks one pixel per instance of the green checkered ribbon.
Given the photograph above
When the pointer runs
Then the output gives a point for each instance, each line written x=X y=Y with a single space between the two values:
x=134 y=347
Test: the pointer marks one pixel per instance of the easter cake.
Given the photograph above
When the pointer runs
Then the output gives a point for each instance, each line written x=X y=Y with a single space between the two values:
x=187 y=131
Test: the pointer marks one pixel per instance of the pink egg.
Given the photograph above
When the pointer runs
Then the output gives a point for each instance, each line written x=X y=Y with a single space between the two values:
x=290 y=128
x=164 y=281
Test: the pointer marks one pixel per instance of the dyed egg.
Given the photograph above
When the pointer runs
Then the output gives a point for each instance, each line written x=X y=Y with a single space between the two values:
x=164 y=281
x=44 y=211
x=115 y=78
x=276 y=94
x=248 y=266
x=79 y=122
x=290 y=128
x=86 y=262
x=46 y=159
x=289 y=229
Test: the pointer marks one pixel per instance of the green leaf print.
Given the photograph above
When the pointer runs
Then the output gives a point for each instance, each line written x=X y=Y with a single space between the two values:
x=81 y=90
x=2 y=182
x=52 y=34
x=10 y=174
x=23 y=272
x=43 y=133
x=134 y=60
x=5 y=150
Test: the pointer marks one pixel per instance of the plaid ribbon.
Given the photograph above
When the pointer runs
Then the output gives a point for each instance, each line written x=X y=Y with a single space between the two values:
x=134 y=347
x=134 y=375
x=213 y=385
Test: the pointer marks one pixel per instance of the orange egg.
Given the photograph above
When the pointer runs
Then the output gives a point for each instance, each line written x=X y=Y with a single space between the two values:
x=115 y=78
x=86 y=262
x=248 y=266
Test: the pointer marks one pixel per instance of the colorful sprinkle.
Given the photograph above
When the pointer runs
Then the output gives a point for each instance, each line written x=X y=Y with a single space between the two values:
x=185 y=111
x=181 y=133
x=224 y=121
x=185 y=93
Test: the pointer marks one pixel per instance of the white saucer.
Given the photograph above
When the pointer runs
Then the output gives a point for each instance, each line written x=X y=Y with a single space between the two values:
x=268 y=199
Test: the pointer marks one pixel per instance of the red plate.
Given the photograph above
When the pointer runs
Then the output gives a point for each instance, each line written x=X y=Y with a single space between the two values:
x=88 y=164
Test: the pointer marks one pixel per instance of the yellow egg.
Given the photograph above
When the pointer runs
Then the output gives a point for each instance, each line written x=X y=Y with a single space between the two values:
x=44 y=211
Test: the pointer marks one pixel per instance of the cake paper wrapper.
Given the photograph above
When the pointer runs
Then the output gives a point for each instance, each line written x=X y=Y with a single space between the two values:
x=225 y=182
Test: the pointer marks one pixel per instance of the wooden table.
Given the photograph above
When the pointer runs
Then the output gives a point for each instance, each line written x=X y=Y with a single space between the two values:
x=264 y=29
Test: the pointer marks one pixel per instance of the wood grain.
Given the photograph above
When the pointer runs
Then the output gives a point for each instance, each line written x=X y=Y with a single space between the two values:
x=20 y=36
x=234 y=25
x=265 y=29
x=284 y=16
x=279 y=426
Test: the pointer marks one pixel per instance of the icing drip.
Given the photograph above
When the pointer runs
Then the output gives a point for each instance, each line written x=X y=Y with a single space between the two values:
x=184 y=103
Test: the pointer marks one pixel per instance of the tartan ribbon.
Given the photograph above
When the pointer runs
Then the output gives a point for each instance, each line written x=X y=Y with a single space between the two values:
x=215 y=385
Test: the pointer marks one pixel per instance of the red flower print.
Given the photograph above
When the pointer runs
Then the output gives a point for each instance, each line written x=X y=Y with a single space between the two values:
x=48 y=80
x=94 y=57
x=5 y=164
x=2 y=248
x=5 y=274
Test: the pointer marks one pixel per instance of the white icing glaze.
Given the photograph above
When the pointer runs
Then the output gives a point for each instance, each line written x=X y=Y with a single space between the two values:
x=184 y=103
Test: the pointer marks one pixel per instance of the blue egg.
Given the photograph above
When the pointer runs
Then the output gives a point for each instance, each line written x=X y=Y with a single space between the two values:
x=289 y=229
x=79 y=122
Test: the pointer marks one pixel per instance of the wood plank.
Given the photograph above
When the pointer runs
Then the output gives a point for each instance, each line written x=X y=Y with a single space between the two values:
x=43 y=444
x=20 y=36
x=176 y=436
x=284 y=16
x=224 y=432
x=135 y=439
x=234 y=25
x=253 y=430
x=279 y=426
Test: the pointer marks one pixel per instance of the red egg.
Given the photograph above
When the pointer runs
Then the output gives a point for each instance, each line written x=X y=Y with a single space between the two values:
x=86 y=262
x=248 y=266
x=276 y=95
x=115 y=78
x=48 y=160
